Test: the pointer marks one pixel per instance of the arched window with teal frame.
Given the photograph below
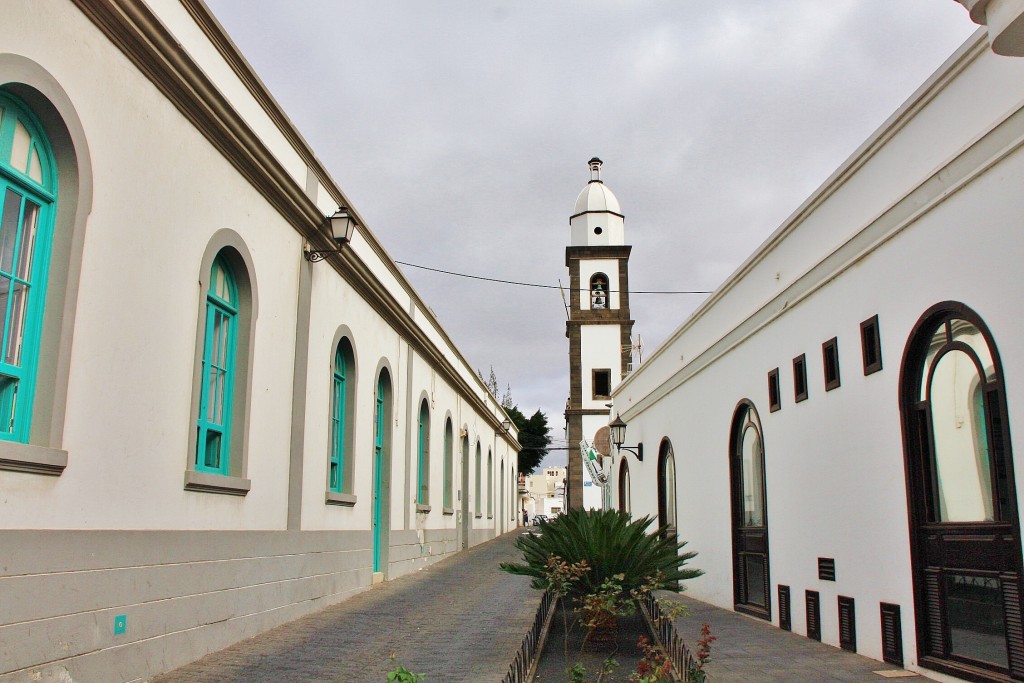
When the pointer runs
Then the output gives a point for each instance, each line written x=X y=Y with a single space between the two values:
x=339 y=477
x=490 y=484
x=423 y=456
x=28 y=196
x=213 y=443
x=476 y=490
x=449 y=457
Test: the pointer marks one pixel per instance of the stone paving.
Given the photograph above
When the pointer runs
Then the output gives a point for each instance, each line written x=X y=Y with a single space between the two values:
x=750 y=650
x=460 y=620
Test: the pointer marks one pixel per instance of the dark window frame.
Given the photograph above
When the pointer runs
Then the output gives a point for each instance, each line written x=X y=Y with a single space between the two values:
x=800 y=378
x=830 y=363
x=871 y=340
x=774 y=391
x=593 y=383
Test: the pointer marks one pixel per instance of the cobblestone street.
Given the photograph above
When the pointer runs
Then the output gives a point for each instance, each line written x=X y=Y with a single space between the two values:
x=459 y=620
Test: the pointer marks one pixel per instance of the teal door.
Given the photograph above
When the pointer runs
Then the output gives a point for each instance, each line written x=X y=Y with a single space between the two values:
x=378 y=471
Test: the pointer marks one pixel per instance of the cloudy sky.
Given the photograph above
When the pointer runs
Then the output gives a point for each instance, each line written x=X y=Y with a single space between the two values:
x=461 y=133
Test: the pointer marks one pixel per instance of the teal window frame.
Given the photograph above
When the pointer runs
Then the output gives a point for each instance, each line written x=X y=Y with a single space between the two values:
x=220 y=345
x=339 y=404
x=449 y=458
x=490 y=484
x=476 y=498
x=423 y=455
x=23 y=264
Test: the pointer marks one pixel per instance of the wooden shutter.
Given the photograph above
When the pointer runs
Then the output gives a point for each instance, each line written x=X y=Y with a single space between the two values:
x=1014 y=628
x=892 y=634
x=847 y=624
x=933 y=613
x=785 y=618
x=813 y=615
x=826 y=568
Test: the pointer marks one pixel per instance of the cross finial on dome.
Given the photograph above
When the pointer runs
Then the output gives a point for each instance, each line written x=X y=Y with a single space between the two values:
x=595 y=170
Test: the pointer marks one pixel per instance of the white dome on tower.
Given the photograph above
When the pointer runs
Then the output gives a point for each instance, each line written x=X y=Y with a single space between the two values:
x=596 y=196
x=597 y=219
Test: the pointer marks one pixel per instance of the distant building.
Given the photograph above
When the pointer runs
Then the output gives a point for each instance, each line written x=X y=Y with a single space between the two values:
x=837 y=429
x=203 y=434
x=545 y=492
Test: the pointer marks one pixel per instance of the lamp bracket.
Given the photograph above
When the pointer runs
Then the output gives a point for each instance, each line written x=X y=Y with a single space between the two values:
x=637 y=450
x=314 y=255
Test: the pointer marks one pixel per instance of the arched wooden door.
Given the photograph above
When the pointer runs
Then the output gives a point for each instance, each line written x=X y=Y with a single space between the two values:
x=624 y=502
x=667 y=487
x=751 y=584
x=964 y=528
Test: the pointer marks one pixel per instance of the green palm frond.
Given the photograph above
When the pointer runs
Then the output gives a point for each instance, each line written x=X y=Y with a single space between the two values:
x=612 y=543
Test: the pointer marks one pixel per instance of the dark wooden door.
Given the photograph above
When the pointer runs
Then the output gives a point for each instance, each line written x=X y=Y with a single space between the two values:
x=751 y=581
x=965 y=534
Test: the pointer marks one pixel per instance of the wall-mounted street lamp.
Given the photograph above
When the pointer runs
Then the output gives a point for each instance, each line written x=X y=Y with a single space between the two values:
x=618 y=434
x=506 y=424
x=343 y=226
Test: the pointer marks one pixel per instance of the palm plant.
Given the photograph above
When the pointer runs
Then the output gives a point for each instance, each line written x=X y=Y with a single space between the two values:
x=612 y=544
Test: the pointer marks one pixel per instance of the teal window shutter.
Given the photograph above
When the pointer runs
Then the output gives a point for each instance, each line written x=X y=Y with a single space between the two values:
x=338 y=405
x=449 y=439
x=213 y=444
x=422 y=456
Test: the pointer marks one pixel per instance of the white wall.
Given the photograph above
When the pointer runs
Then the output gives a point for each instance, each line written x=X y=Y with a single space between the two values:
x=834 y=463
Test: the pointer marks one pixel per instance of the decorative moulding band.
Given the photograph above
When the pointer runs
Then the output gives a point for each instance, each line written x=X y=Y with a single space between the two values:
x=136 y=30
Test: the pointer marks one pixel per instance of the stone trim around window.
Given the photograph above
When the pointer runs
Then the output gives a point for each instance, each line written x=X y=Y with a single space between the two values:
x=205 y=482
x=23 y=457
x=336 y=498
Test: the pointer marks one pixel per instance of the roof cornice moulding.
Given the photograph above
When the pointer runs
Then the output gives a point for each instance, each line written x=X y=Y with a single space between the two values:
x=136 y=30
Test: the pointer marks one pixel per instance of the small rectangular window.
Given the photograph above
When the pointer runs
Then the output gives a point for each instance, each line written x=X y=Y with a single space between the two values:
x=826 y=569
x=892 y=634
x=602 y=383
x=774 y=396
x=800 y=378
x=871 y=345
x=847 y=624
x=785 y=618
x=830 y=356
x=813 y=607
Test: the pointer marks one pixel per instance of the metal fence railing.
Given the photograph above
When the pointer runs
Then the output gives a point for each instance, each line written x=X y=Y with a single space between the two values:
x=684 y=664
x=524 y=664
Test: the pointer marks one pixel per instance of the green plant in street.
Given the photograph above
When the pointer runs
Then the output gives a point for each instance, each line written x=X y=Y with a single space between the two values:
x=654 y=666
x=611 y=543
x=599 y=563
x=402 y=675
x=696 y=674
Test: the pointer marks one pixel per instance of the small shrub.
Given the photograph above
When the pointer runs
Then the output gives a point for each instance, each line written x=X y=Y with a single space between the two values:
x=402 y=675
x=611 y=543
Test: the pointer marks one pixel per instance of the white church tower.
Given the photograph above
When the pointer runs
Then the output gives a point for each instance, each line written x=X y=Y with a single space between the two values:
x=599 y=326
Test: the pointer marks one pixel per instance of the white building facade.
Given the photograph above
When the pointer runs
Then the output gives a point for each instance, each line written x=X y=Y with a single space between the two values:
x=202 y=433
x=837 y=429
x=545 y=492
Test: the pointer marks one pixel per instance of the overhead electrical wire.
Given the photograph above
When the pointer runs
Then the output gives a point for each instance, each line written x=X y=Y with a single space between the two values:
x=533 y=284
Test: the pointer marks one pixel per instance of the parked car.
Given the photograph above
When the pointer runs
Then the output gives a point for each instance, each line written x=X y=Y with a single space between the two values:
x=537 y=519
